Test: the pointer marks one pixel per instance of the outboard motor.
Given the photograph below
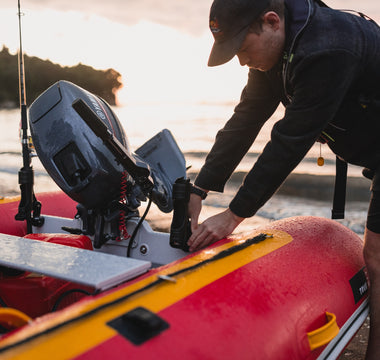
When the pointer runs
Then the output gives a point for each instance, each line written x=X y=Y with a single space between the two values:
x=82 y=145
x=75 y=157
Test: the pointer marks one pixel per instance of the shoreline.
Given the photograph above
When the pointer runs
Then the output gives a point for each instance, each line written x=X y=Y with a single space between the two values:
x=304 y=185
x=301 y=185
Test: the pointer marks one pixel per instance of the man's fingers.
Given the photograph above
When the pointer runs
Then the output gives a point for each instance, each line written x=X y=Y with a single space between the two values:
x=197 y=238
x=202 y=237
x=214 y=228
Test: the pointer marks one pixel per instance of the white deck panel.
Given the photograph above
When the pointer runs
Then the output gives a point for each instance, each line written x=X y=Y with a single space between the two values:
x=85 y=267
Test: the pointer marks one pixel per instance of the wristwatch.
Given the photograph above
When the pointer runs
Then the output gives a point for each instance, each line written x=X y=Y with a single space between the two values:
x=199 y=192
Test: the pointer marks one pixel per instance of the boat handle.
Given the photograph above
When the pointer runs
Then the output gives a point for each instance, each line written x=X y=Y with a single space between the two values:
x=324 y=334
x=13 y=317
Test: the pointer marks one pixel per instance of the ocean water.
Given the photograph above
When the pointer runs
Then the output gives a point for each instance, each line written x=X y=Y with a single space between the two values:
x=194 y=127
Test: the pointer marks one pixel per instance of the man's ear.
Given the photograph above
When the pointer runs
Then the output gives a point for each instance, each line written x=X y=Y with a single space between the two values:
x=272 y=19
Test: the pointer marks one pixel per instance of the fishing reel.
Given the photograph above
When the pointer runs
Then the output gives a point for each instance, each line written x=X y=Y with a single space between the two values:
x=82 y=145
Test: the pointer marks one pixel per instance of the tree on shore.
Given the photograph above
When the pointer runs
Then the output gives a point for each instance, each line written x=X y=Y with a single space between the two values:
x=40 y=74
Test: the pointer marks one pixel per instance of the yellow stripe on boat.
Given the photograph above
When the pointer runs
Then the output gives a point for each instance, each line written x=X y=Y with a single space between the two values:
x=155 y=299
x=9 y=199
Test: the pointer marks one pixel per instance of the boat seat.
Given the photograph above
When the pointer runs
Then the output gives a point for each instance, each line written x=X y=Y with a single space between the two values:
x=98 y=270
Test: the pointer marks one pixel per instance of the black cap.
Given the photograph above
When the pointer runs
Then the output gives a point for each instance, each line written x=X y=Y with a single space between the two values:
x=229 y=23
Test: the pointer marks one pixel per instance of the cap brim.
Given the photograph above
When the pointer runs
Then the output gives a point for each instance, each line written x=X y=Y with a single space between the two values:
x=224 y=51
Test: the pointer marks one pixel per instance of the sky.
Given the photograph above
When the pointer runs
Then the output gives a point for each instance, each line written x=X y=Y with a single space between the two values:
x=160 y=47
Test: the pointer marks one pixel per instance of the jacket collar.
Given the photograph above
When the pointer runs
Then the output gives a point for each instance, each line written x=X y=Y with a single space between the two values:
x=297 y=16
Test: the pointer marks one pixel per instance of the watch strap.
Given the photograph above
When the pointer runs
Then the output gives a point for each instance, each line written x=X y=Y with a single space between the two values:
x=199 y=192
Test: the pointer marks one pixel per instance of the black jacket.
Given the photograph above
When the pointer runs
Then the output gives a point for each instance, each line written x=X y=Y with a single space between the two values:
x=329 y=82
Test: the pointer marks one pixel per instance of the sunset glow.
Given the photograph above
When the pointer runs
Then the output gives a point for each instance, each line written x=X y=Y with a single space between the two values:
x=160 y=48
x=158 y=63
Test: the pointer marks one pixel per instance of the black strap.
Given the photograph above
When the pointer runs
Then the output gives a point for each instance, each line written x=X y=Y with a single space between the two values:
x=339 y=203
x=198 y=191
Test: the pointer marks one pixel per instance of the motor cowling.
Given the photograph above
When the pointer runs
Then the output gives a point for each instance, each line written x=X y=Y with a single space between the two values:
x=74 y=156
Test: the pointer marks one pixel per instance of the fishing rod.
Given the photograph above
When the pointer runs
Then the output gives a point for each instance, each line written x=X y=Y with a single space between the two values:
x=29 y=208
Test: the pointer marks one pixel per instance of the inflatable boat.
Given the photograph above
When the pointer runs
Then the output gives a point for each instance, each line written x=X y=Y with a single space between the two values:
x=83 y=275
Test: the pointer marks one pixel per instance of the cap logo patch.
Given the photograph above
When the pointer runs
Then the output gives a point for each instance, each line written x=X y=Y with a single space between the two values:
x=215 y=29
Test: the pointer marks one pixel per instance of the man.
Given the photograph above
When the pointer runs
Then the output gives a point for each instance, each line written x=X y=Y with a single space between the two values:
x=323 y=65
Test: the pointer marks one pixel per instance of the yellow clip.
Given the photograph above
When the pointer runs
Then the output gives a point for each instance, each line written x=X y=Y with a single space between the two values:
x=324 y=334
x=13 y=317
x=328 y=136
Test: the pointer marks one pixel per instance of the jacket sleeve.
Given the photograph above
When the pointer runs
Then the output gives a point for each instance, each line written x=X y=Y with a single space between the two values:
x=256 y=105
x=320 y=83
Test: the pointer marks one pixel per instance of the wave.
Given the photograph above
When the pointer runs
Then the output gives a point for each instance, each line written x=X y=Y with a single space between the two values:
x=14 y=171
x=12 y=153
x=317 y=187
x=253 y=155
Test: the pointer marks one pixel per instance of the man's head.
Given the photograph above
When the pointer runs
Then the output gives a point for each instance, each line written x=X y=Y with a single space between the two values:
x=234 y=22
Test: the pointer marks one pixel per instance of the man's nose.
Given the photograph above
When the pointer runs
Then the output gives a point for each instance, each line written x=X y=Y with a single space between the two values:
x=243 y=59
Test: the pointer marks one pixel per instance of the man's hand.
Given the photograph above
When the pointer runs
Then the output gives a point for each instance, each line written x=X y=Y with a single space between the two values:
x=214 y=228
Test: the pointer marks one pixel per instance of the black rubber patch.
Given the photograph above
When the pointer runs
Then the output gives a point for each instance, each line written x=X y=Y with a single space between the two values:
x=139 y=325
x=359 y=285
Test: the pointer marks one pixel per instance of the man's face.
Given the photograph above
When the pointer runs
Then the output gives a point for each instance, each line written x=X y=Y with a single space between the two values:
x=263 y=51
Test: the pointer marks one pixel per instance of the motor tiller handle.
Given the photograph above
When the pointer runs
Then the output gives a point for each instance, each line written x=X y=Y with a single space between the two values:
x=139 y=173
